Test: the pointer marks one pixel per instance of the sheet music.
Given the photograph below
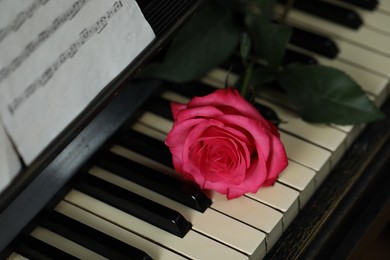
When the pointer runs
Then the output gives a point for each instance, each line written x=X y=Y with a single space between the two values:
x=56 y=56
x=9 y=161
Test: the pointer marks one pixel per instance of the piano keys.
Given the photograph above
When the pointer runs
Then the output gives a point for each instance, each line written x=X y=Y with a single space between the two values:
x=39 y=173
x=311 y=158
x=75 y=197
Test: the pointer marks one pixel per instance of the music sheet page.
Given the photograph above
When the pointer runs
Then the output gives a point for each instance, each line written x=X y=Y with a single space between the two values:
x=9 y=161
x=56 y=56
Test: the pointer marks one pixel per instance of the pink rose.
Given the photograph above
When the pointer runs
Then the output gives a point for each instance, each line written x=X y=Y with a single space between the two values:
x=221 y=142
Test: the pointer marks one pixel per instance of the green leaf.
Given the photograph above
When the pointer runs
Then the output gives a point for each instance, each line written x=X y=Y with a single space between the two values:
x=262 y=75
x=327 y=95
x=205 y=42
x=269 y=40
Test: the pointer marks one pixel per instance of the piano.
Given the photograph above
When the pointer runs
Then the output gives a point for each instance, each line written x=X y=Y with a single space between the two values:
x=87 y=196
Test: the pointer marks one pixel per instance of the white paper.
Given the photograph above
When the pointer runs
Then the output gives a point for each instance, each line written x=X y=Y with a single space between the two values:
x=9 y=161
x=56 y=56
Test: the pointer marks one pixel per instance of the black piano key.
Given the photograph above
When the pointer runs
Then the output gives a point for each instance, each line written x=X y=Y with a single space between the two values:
x=178 y=190
x=337 y=14
x=163 y=150
x=366 y=4
x=161 y=107
x=314 y=42
x=145 y=145
x=292 y=56
x=193 y=89
x=35 y=249
x=138 y=206
x=90 y=238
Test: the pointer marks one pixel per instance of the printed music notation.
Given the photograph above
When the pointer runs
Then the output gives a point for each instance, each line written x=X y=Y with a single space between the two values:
x=42 y=36
x=21 y=17
x=85 y=35
x=56 y=57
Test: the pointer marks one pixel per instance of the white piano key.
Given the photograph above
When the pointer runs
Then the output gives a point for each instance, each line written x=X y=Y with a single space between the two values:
x=319 y=134
x=363 y=58
x=153 y=250
x=308 y=155
x=193 y=245
x=353 y=54
x=173 y=96
x=352 y=132
x=16 y=256
x=344 y=128
x=152 y=132
x=228 y=231
x=252 y=213
x=384 y=6
x=280 y=197
x=157 y=122
x=64 y=244
x=372 y=19
x=300 y=178
x=272 y=225
x=364 y=37
x=375 y=20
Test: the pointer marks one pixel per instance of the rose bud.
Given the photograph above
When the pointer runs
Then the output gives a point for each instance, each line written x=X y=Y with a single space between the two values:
x=221 y=142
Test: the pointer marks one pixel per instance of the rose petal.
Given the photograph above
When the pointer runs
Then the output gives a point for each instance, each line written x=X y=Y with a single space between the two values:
x=206 y=112
x=176 y=141
x=255 y=178
x=220 y=160
x=198 y=132
x=227 y=98
x=176 y=108
x=277 y=161
x=254 y=127
x=246 y=146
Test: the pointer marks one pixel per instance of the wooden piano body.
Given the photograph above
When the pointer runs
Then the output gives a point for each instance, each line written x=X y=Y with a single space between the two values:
x=330 y=222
